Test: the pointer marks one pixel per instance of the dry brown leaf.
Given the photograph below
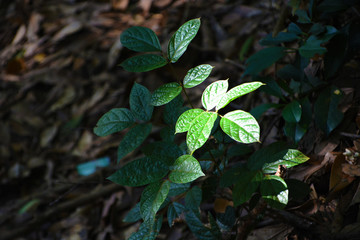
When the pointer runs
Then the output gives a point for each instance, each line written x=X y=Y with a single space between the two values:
x=221 y=204
x=351 y=170
x=67 y=97
x=338 y=180
x=119 y=4
x=69 y=29
x=48 y=135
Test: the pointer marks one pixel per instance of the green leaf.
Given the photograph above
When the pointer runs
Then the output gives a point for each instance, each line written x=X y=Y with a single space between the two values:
x=327 y=114
x=167 y=152
x=303 y=16
x=281 y=37
x=113 y=121
x=292 y=112
x=133 y=139
x=197 y=75
x=226 y=220
x=165 y=93
x=197 y=227
x=247 y=183
x=174 y=211
x=178 y=188
x=182 y=38
x=293 y=28
x=143 y=63
x=148 y=230
x=295 y=131
x=173 y=110
x=288 y=158
x=330 y=6
x=185 y=120
x=140 y=39
x=240 y=126
x=263 y=59
x=236 y=92
x=213 y=94
x=193 y=199
x=274 y=191
x=140 y=172
x=133 y=215
x=152 y=198
x=215 y=229
x=266 y=154
x=272 y=87
x=259 y=110
x=200 y=130
x=140 y=102
x=312 y=47
x=185 y=169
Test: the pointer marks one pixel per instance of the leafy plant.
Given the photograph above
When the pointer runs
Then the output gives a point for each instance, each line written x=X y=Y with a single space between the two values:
x=174 y=172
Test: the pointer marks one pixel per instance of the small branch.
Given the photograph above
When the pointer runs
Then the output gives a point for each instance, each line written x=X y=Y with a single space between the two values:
x=351 y=135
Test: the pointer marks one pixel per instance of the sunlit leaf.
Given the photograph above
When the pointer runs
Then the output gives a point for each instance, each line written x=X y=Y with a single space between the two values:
x=165 y=93
x=236 y=92
x=143 y=63
x=140 y=102
x=197 y=75
x=288 y=158
x=152 y=198
x=185 y=169
x=133 y=139
x=185 y=120
x=182 y=38
x=274 y=191
x=200 y=130
x=140 y=39
x=240 y=126
x=113 y=121
x=140 y=172
x=213 y=94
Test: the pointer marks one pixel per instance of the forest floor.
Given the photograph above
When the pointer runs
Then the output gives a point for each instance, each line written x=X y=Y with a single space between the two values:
x=59 y=74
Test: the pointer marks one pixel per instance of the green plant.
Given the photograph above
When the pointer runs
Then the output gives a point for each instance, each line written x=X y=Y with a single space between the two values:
x=174 y=173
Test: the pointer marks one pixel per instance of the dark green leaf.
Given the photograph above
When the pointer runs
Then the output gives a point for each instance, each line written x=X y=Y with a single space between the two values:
x=197 y=227
x=271 y=87
x=331 y=6
x=152 y=198
x=281 y=37
x=312 y=47
x=295 y=131
x=133 y=215
x=274 y=191
x=113 y=121
x=240 y=126
x=193 y=199
x=226 y=220
x=148 y=230
x=200 y=130
x=298 y=190
x=327 y=114
x=263 y=59
x=185 y=169
x=182 y=38
x=259 y=110
x=247 y=183
x=303 y=17
x=293 y=28
x=140 y=39
x=140 y=172
x=133 y=139
x=174 y=211
x=215 y=229
x=167 y=152
x=173 y=110
x=292 y=112
x=143 y=63
x=197 y=75
x=178 y=188
x=140 y=102
x=165 y=94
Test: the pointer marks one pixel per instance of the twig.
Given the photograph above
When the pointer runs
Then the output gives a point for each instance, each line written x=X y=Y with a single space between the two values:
x=55 y=211
x=351 y=135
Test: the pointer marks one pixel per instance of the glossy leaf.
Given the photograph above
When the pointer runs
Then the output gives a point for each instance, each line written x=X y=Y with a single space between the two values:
x=140 y=39
x=312 y=47
x=174 y=211
x=152 y=198
x=197 y=75
x=240 y=126
x=140 y=172
x=214 y=93
x=140 y=102
x=185 y=120
x=113 y=121
x=236 y=92
x=143 y=63
x=200 y=130
x=292 y=112
x=133 y=139
x=185 y=169
x=263 y=59
x=182 y=38
x=288 y=158
x=274 y=191
x=247 y=183
x=148 y=230
x=327 y=114
x=165 y=93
